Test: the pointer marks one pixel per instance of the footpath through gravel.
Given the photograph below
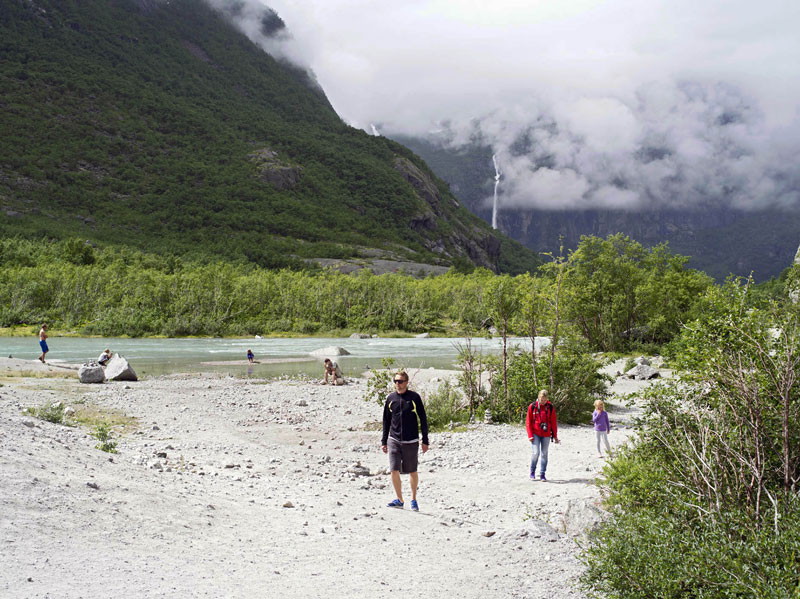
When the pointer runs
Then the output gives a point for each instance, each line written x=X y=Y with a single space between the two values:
x=246 y=488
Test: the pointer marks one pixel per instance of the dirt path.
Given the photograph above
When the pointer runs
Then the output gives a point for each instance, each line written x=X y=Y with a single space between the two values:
x=240 y=488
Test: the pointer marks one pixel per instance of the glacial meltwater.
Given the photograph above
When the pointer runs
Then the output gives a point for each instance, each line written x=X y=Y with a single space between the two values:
x=274 y=357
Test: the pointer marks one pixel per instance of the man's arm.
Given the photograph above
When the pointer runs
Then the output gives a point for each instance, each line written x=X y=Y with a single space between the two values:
x=387 y=423
x=423 y=421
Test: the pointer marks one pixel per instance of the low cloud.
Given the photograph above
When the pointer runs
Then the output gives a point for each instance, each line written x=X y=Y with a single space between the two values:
x=588 y=104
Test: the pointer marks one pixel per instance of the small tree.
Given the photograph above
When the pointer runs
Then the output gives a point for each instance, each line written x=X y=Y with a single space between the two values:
x=503 y=303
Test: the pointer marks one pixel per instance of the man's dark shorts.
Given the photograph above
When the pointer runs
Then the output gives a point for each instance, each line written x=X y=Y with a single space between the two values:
x=43 y=345
x=403 y=456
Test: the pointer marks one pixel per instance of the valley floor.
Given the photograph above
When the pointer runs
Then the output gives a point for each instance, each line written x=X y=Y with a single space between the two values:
x=243 y=488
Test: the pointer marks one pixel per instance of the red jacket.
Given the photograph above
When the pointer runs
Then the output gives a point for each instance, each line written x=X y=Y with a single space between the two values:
x=537 y=416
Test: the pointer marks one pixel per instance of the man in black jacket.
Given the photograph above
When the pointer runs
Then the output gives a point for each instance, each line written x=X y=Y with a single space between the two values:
x=401 y=436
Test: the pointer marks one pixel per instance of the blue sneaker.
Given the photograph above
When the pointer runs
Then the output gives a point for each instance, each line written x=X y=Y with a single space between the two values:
x=414 y=505
x=542 y=478
x=395 y=503
x=533 y=476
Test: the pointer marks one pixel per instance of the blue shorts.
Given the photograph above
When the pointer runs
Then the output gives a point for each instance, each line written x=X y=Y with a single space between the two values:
x=43 y=345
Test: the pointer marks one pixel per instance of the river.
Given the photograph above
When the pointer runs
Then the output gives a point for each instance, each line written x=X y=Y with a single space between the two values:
x=151 y=357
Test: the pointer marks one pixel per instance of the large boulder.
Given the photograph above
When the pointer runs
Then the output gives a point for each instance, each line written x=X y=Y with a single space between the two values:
x=359 y=336
x=583 y=517
x=91 y=372
x=333 y=350
x=423 y=336
x=118 y=369
x=642 y=372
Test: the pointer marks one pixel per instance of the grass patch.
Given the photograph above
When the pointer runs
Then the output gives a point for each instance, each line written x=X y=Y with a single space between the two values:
x=92 y=417
x=50 y=412
x=39 y=374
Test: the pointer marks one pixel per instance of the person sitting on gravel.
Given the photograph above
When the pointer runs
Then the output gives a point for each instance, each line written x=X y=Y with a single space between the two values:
x=401 y=437
x=333 y=371
x=250 y=356
x=104 y=357
x=542 y=426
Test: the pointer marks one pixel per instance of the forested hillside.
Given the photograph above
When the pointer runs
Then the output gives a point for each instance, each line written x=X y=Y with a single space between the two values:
x=160 y=126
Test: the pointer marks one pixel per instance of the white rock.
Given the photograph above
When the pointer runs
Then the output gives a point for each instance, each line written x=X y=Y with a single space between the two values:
x=91 y=372
x=332 y=350
x=118 y=369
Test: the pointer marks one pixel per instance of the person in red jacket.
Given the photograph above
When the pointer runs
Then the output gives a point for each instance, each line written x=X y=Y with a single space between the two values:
x=542 y=426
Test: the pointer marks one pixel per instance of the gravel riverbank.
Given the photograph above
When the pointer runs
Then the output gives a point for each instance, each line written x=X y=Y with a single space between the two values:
x=246 y=488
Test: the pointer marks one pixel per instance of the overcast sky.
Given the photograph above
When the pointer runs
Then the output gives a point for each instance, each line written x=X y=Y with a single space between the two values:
x=621 y=103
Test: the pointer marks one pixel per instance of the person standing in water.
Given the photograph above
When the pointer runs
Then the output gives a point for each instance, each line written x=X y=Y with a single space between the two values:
x=43 y=342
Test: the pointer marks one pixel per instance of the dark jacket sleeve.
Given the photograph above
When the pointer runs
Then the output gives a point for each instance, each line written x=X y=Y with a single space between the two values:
x=423 y=419
x=387 y=422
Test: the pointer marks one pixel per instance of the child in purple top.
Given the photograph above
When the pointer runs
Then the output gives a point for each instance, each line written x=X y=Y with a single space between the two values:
x=601 y=426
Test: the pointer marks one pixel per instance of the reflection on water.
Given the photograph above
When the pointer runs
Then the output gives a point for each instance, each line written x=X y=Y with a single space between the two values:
x=151 y=357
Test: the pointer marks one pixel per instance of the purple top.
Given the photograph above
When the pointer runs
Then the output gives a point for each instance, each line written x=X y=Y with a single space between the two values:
x=600 y=420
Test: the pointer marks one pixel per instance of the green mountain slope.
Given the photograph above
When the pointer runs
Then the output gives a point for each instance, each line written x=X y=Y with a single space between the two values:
x=158 y=125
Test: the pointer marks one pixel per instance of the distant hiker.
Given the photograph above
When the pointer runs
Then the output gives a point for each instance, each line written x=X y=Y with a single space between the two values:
x=542 y=426
x=104 y=357
x=601 y=426
x=250 y=356
x=43 y=342
x=333 y=371
x=401 y=436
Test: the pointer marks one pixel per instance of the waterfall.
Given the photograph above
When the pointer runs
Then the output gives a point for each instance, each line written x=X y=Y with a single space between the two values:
x=375 y=131
x=496 y=184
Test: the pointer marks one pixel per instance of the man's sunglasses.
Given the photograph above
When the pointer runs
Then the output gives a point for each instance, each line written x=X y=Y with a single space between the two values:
x=397 y=381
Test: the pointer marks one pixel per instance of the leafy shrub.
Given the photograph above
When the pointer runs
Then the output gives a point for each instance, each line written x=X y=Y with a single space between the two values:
x=102 y=434
x=379 y=383
x=576 y=383
x=629 y=363
x=50 y=412
x=445 y=405
x=705 y=503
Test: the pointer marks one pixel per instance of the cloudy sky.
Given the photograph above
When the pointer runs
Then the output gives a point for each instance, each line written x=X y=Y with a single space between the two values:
x=616 y=103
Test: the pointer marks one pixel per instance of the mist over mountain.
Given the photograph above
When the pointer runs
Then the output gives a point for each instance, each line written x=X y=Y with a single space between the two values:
x=180 y=127
x=662 y=108
x=720 y=239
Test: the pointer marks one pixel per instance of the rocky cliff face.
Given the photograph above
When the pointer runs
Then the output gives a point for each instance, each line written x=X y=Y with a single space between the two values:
x=461 y=239
x=720 y=241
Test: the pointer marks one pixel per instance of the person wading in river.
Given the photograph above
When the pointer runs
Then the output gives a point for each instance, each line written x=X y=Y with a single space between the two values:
x=43 y=342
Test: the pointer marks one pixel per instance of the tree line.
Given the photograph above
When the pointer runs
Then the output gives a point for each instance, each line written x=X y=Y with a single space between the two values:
x=613 y=292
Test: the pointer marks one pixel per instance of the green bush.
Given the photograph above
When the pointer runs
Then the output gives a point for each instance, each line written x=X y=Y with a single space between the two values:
x=379 y=383
x=445 y=405
x=50 y=412
x=102 y=434
x=576 y=383
x=705 y=502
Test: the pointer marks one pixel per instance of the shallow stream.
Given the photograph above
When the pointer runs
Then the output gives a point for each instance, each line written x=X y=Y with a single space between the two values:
x=275 y=357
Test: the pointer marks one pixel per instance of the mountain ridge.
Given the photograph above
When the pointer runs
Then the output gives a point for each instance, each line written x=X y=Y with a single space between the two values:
x=142 y=123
